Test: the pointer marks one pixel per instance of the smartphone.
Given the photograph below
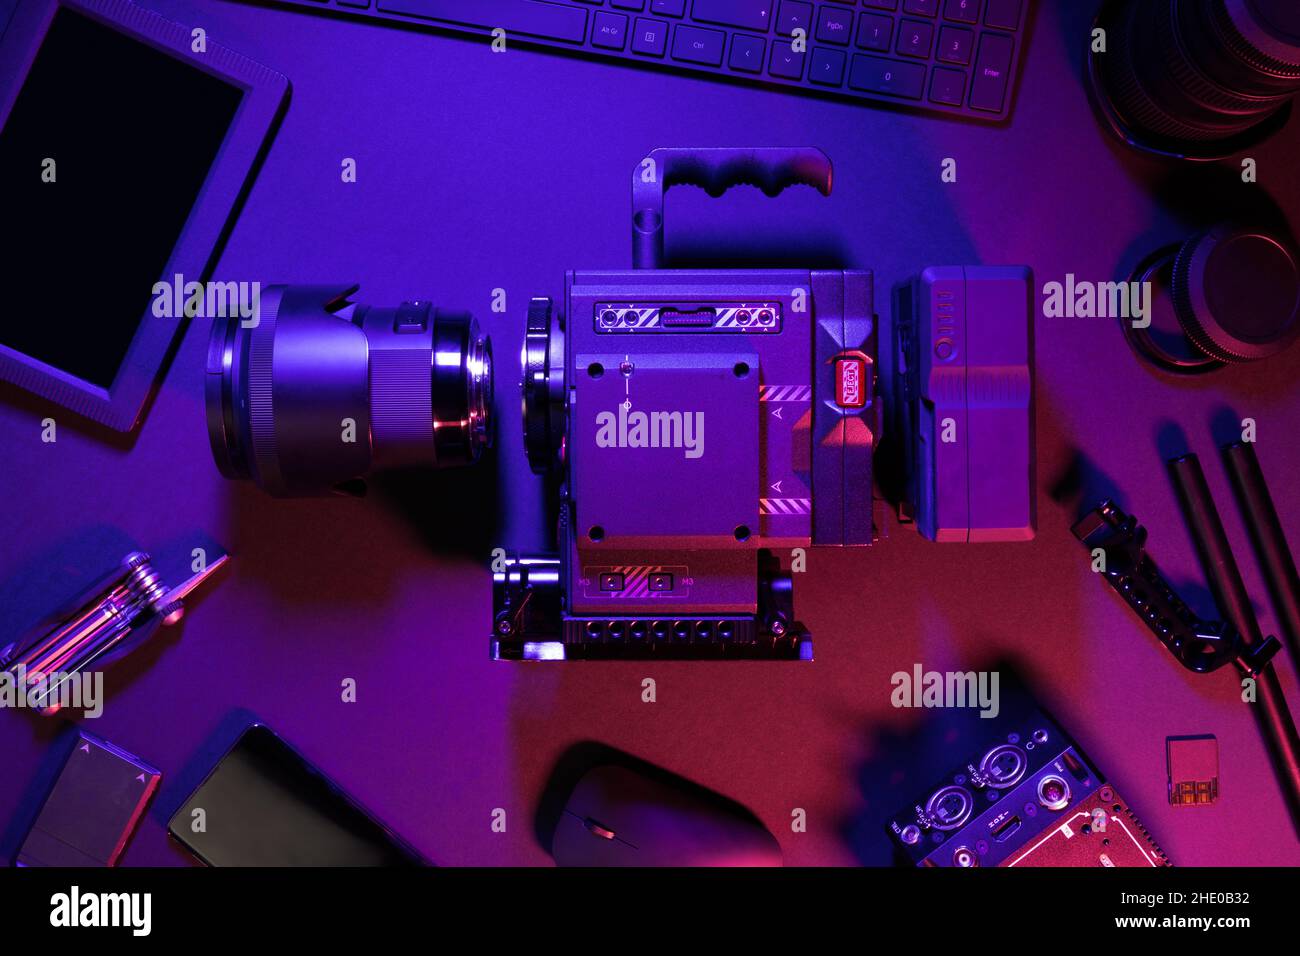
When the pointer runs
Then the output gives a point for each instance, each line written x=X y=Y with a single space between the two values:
x=265 y=805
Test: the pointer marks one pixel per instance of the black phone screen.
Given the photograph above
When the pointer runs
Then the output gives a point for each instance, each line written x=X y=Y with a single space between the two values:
x=264 y=805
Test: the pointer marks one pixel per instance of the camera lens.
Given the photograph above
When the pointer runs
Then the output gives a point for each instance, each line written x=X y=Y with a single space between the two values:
x=316 y=390
x=1196 y=77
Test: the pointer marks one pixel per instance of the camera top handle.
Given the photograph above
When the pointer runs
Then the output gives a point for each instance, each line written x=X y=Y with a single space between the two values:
x=715 y=171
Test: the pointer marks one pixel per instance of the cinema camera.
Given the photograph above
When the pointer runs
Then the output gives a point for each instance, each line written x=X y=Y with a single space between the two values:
x=694 y=424
x=698 y=423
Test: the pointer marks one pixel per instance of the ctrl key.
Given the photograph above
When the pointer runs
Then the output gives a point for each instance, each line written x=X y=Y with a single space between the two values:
x=876 y=74
x=697 y=45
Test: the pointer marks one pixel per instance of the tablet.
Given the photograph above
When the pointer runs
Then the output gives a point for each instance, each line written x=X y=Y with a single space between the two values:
x=126 y=144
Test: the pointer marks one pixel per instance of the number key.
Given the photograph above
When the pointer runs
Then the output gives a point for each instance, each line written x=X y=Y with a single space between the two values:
x=875 y=30
x=914 y=38
x=956 y=44
x=965 y=11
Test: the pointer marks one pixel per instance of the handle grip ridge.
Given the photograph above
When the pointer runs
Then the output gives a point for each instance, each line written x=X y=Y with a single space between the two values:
x=715 y=170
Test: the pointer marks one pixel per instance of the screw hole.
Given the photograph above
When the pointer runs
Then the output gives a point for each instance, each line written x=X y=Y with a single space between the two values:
x=595 y=370
x=596 y=533
x=742 y=532
x=741 y=369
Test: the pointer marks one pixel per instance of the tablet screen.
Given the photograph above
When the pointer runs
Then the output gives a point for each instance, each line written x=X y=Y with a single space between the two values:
x=101 y=159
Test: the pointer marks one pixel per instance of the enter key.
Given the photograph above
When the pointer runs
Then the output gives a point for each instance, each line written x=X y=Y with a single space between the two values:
x=992 y=70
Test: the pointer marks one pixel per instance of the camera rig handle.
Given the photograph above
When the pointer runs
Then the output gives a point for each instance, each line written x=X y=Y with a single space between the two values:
x=715 y=170
x=1198 y=645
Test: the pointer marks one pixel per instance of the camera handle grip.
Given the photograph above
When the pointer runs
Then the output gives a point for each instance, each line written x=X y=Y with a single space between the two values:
x=715 y=170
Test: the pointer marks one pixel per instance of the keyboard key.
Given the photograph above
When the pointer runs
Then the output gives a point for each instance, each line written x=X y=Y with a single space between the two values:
x=650 y=37
x=875 y=74
x=753 y=15
x=827 y=67
x=835 y=25
x=947 y=86
x=747 y=53
x=609 y=31
x=1003 y=13
x=956 y=45
x=881 y=4
x=786 y=63
x=914 y=38
x=875 y=30
x=989 y=87
x=926 y=8
x=794 y=15
x=669 y=8
x=963 y=11
x=545 y=20
x=635 y=5
x=698 y=45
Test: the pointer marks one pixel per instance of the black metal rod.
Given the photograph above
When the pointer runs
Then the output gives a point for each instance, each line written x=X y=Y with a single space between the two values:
x=1270 y=709
x=1270 y=545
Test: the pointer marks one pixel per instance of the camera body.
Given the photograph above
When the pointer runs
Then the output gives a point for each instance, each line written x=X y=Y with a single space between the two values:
x=694 y=446
x=699 y=427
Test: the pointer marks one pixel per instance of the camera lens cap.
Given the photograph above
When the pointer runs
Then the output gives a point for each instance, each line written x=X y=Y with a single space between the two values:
x=1236 y=292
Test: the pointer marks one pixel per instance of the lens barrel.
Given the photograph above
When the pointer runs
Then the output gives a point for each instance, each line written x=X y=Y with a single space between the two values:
x=1197 y=77
x=316 y=391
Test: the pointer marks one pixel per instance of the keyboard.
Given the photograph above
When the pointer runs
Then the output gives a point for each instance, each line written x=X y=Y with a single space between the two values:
x=957 y=57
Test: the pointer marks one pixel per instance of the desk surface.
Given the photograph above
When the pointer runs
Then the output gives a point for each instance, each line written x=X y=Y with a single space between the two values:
x=479 y=171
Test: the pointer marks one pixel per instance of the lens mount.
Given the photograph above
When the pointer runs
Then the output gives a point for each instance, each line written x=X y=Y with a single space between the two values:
x=542 y=359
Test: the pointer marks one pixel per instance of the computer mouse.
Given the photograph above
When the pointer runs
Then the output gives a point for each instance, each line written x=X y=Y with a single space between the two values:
x=618 y=816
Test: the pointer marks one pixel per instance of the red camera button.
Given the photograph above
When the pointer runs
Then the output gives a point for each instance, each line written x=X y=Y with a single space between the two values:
x=851 y=381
